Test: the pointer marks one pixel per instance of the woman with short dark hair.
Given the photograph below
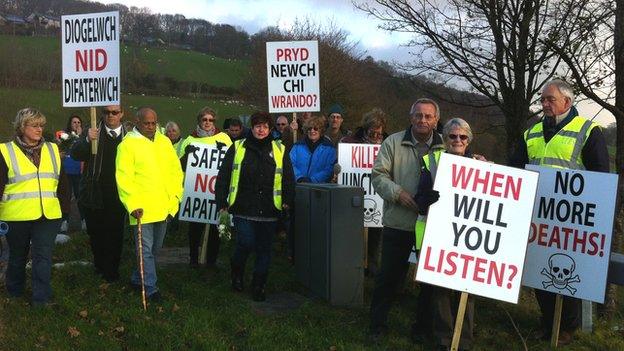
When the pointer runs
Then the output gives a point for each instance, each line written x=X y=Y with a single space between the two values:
x=255 y=184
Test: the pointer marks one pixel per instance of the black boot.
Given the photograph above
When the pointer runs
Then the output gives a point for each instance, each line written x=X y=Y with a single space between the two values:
x=237 y=277
x=257 y=284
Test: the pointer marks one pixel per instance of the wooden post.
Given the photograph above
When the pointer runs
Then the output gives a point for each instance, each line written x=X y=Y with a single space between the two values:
x=459 y=321
x=141 y=269
x=94 y=144
x=554 y=339
x=295 y=130
x=204 y=247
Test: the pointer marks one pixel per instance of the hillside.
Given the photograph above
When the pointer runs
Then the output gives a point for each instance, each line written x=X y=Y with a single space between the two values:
x=39 y=58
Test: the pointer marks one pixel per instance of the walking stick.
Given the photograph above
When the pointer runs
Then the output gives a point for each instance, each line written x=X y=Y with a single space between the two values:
x=141 y=271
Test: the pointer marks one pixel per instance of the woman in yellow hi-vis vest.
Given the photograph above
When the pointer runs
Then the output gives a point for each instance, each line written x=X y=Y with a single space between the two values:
x=30 y=169
x=255 y=184
x=457 y=135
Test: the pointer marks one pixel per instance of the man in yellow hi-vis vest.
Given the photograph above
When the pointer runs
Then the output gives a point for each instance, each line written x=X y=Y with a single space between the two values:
x=149 y=181
x=255 y=184
x=30 y=170
x=562 y=139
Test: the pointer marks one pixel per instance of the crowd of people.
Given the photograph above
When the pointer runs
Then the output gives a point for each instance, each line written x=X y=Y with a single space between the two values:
x=135 y=175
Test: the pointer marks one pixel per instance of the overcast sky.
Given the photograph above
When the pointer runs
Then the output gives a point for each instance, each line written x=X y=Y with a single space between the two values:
x=254 y=15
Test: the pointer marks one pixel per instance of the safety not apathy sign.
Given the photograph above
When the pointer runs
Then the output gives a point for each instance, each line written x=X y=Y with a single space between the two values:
x=198 y=202
x=570 y=237
x=356 y=163
x=293 y=76
x=90 y=46
x=476 y=233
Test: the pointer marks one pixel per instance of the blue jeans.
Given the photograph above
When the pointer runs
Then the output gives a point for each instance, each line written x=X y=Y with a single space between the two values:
x=153 y=235
x=253 y=236
x=41 y=233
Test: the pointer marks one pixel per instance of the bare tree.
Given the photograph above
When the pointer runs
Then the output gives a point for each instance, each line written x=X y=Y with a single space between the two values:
x=495 y=46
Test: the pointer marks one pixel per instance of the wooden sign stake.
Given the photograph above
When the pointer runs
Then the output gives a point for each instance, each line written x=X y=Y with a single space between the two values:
x=295 y=130
x=554 y=339
x=204 y=247
x=459 y=321
x=93 y=125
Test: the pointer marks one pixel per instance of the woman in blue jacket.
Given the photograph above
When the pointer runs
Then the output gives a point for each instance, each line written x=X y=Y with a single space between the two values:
x=314 y=156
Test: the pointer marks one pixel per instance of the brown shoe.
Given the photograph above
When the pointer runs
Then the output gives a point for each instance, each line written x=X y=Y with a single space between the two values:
x=565 y=338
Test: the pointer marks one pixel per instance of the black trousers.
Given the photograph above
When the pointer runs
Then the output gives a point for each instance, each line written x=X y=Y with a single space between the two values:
x=195 y=231
x=396 y=248
x=105 y=228
x=570 y=313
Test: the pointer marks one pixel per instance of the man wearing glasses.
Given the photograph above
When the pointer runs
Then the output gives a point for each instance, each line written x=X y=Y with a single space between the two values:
x=104 y=213
x=395 y=177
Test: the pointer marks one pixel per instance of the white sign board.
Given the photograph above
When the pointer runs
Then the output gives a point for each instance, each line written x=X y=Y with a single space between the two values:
x=90 y=46
x=293 y=76
x=198 y=202
x=476 y=234
x=570 y=238
x=356 y=163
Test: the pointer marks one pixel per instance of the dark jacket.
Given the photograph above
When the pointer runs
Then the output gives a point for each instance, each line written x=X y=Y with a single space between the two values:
x=98 y=178
x=315 y=166
x=255 y=187
x=594 y=152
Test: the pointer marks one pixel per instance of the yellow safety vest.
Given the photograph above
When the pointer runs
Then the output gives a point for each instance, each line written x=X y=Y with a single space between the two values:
x=239 y=155
x=431 y=163
x=564 y=149
x=30 y=192
x=219 y=137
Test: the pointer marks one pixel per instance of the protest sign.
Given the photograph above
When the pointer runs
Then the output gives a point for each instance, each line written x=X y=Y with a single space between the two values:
x=90 y=47
x=198 y=202
x=476 y=233
x=356 y=163
x=293 y=76
x=570 y=237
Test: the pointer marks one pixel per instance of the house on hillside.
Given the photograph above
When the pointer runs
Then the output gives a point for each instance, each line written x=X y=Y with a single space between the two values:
x=44 y=21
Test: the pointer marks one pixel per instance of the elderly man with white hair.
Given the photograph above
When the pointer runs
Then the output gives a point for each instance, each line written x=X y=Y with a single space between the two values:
x=562 y=139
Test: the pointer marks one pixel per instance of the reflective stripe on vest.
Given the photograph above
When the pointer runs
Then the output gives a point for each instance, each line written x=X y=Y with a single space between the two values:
x=565 y=147
x=30 y=192
x=431 y=163
x=239 y=154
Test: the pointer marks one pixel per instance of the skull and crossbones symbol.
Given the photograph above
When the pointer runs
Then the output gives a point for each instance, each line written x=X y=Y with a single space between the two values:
x=370 y=211
x=560 y=271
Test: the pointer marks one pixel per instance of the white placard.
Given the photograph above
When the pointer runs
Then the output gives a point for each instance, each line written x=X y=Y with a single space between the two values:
x=476 y=235
x=90 y=46
x=570 y=236
x=293 y=76
x=356 y=163
x=198 y=202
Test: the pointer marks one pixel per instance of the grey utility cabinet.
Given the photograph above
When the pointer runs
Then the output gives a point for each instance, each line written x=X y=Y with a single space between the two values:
x=329 y=241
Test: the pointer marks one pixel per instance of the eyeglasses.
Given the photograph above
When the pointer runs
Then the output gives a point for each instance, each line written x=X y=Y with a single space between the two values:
x=280 y=124
x=457 y=136
x=211 y=120
x=111 y=112
x=316 y=129
x=550 y=99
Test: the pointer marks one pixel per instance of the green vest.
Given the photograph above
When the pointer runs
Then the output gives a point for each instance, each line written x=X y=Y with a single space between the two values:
x=564 y=149
x=239 y=155
x=30 y=192
x=430 y=161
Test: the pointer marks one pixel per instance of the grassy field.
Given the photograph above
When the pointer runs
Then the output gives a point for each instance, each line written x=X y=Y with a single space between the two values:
x=181 y=110
x=184 y=66
x=199 y=312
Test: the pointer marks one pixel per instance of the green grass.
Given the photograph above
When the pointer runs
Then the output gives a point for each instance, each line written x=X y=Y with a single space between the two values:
x=181 y=65
x=181 y=110
x=203 y=314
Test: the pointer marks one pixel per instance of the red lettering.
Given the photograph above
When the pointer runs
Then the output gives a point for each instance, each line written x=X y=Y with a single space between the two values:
x=426 y=264
x=201 y=181
x=514 y=187
x=532 y=232
x=211 y=184
x=451 y=262
x=496 y=184
x=101 y=59
x=479 y=269
x=460 y=176
x=496 y=273
x=81 y=61
x=554 y=237
x=542 y=234
x=354 y=159
x=466 y=258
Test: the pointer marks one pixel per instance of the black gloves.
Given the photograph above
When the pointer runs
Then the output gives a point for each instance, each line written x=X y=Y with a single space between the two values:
x=426 y=198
